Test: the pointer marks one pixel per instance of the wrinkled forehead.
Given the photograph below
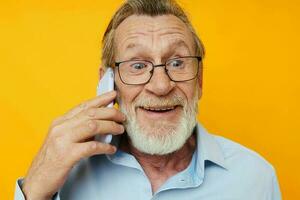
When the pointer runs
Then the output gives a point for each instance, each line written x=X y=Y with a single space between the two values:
x=159 y=33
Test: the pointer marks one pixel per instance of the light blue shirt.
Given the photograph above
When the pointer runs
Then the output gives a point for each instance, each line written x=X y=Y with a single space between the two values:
x=219 y=170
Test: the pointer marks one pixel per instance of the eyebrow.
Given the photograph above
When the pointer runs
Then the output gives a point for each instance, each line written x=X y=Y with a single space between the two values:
x=180 y=43
x=177 y=43
x=132 y=46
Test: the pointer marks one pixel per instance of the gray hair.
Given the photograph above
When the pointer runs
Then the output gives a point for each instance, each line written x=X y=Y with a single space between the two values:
x=149 y=8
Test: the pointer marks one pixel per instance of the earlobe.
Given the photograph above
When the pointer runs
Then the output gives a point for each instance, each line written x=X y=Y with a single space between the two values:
x=199 y=93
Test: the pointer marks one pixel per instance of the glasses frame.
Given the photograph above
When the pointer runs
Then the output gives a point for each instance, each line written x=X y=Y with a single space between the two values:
x=199 y=58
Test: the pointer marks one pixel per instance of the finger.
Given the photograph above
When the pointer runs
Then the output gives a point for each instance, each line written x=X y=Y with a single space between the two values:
x=101 y=100
x=91 y=128
x=105 y=113
x=87 y=149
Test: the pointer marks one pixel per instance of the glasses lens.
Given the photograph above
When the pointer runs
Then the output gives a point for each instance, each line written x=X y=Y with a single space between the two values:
x=182 y=69
x=135 y=71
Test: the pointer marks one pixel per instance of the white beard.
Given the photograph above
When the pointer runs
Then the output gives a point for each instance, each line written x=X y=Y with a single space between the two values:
x=161 y=137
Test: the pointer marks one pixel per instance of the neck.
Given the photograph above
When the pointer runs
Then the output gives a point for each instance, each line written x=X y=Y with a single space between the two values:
x=159 y=168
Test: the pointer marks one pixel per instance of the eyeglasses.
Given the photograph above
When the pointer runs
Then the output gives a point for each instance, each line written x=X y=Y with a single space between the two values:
x=138 y=72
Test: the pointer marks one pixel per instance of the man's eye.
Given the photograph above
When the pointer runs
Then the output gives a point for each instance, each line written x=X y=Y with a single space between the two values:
x=138 y=66
x=176 y=63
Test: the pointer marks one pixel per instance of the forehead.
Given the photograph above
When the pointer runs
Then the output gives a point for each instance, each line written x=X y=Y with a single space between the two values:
x=140 y=31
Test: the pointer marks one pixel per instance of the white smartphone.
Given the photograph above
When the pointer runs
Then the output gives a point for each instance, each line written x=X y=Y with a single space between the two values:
x=106 y=84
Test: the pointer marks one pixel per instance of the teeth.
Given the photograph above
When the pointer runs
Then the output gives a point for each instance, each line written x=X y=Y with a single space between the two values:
x=159 y=109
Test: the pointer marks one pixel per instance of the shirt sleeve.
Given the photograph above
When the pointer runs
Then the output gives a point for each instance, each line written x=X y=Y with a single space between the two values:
x=19 y=193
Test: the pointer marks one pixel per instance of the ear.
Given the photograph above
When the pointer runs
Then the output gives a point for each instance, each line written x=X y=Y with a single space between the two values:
x=200 y=81
x=101 y=72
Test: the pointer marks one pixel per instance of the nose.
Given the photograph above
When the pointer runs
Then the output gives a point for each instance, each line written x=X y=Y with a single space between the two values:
x=160 y=84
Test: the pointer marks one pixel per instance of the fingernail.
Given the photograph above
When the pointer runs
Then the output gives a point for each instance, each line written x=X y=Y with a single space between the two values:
x=112 y=93
x=122 y=129
x=113 y=149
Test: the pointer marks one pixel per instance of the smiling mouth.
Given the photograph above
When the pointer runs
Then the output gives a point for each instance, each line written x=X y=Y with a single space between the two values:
x=159 y=109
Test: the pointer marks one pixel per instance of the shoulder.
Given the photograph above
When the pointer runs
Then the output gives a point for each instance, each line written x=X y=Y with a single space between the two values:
x=242 y=168
x=240 y=157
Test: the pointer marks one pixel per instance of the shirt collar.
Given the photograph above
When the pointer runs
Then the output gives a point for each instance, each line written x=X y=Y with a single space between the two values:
x=208 y=149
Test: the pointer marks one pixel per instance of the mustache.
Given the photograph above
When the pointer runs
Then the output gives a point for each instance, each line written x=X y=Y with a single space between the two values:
x=146 y=101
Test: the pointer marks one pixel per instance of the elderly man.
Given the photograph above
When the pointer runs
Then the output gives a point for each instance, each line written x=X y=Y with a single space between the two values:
x=158 y=150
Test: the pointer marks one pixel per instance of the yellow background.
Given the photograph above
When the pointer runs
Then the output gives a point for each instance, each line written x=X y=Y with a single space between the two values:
x=50 y=53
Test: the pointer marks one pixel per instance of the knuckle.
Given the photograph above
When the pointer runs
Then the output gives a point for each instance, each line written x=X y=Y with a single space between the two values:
x=55 y=130
x=91 y=147
x=91 y=112
x=92 y=125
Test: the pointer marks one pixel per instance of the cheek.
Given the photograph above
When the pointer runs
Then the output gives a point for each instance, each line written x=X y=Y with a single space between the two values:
x=188 y=90
x=127 y=93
